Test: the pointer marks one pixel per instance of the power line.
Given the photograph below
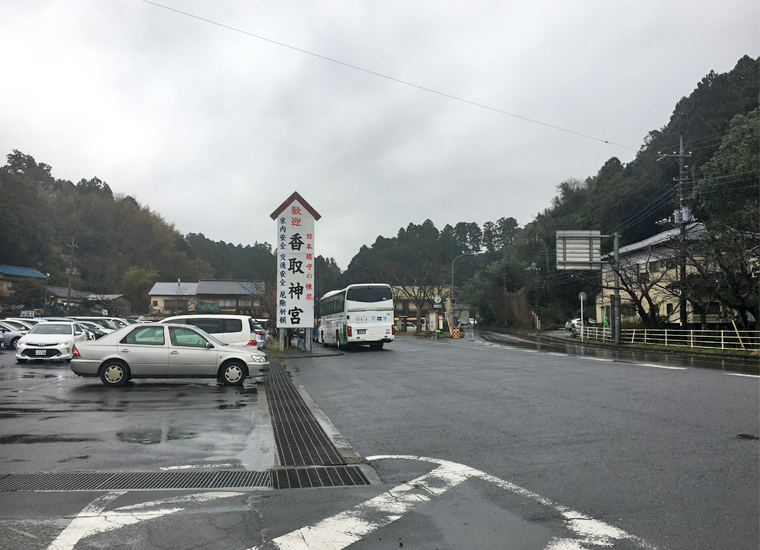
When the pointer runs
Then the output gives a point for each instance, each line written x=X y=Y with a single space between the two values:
x=387 y=77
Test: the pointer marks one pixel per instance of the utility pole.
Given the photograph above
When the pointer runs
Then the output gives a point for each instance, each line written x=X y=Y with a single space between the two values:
x=616 y=305
x=682 y=217
x=71 y=271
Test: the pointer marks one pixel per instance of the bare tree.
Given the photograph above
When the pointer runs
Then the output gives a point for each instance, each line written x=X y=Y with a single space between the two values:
x=646 y=278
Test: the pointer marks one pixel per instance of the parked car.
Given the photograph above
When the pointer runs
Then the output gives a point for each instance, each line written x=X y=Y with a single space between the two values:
x=101 y=321
x=237 y=330
x=10 y=336
x=18 y=325
x=49 y=341
x=575 y=324
x=110 y=322
x=28 y=321
x=163 y=350
x=96 y=330
x=89 y=334
x=261 y=336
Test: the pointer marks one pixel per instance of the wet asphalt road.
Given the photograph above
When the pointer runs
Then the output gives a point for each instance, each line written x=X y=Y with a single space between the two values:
x=666 y=454
x=571 y=450
x=55 y=421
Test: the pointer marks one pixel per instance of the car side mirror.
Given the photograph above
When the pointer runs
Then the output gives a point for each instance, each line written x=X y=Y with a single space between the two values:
x=77 y=333
x=209 y=345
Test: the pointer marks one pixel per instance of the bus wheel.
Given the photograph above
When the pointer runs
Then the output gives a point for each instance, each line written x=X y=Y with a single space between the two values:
x=337 y=339
x=374 y=346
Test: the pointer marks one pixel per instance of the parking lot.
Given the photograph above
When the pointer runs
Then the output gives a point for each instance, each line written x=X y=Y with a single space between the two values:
x=56 y=421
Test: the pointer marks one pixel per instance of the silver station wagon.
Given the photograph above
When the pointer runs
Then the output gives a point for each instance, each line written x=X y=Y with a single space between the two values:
x=159 y=350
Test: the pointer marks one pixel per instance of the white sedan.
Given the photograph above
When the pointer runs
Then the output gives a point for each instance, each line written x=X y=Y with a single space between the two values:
x=51 y=341
x=161 y=350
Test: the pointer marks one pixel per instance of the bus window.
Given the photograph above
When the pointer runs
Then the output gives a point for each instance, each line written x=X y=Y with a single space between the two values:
x=369 y=294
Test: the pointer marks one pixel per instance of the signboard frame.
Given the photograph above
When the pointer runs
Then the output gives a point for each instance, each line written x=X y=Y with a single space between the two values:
x=295 y=256
x=579 y=250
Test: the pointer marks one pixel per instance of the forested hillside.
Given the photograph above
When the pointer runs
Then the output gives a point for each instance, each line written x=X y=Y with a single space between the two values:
x=118 y=245
x=718 y=123
x=122 y=247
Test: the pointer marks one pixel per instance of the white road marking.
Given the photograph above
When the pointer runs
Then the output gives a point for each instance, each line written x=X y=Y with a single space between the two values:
x=95 y=519
x=346 y=528
x=738 y=374
x=192 y=466
x=21 y=532
x=660 y=366
x=558 y=354
x=601 y=359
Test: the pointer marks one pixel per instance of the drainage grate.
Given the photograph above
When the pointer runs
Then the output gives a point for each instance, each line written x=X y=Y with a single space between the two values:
x=103 y=481
x=323 y=476
x=301 y=441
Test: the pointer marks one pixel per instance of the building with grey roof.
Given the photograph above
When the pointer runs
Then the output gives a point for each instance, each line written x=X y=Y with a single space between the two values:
x=208 y=296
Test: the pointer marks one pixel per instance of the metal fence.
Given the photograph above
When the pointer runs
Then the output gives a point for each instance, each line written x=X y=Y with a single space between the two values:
x=712 y=339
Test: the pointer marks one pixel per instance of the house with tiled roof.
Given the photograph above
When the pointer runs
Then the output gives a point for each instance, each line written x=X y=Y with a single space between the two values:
x=116 y=304
x=207 y=296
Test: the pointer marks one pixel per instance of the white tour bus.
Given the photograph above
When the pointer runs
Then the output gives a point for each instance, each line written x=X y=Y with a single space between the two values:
x=358 y=314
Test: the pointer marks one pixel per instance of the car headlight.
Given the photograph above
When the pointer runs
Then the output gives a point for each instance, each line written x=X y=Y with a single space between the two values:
x=259 y=358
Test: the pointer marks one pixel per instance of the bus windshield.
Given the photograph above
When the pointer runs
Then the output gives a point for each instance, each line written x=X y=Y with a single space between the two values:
x=369 y=294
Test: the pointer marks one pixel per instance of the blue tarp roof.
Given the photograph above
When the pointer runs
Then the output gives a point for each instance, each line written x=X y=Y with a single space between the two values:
x=21 y=271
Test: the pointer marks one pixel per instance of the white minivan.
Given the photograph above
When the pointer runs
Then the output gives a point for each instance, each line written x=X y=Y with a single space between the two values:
x=236 y=330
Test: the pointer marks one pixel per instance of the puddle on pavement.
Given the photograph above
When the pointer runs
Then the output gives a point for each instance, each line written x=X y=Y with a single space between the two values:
x=153 y=436
x=465 y=517
x=17 y=375
x=73 y=458
x=32 y=439
x=238 y=405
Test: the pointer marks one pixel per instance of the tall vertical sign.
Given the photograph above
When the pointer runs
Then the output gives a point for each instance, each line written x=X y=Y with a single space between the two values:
x=295 y=255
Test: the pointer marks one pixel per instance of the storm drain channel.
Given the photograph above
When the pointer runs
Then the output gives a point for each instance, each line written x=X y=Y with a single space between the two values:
x=307 y=455
x=301 y=441
x=133 y=481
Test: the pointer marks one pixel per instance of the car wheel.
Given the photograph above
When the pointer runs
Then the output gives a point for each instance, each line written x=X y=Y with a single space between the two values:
x=114 y=374
x=14 y=342
x=20 y=360
x=233 y=373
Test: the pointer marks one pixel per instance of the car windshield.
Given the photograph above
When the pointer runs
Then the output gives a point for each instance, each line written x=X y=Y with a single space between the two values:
x=51 y=328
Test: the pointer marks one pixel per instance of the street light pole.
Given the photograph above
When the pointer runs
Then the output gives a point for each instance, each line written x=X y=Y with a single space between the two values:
x=451 y=290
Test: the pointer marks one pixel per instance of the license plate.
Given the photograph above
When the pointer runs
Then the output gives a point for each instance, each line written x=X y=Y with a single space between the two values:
x=40 y=352
x=361 y=331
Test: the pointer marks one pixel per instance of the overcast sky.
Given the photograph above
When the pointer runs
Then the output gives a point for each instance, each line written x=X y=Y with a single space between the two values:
x=213 y=127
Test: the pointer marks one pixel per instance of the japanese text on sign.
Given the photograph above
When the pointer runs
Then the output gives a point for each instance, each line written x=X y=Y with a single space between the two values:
x=295 y=267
